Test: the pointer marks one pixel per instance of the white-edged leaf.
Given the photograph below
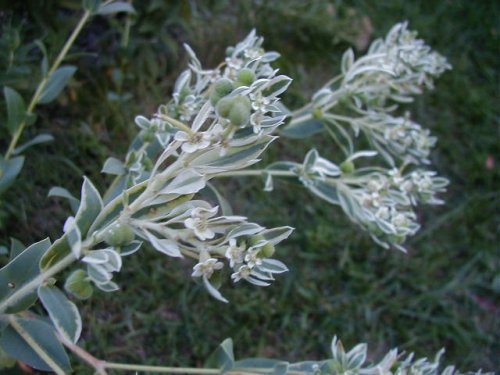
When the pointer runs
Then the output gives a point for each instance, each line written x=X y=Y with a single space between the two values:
x=272 y=266
x=213 y=292
x=202 y=116
x=63 y=313
x=90 y=206
x=43 y=336
x=113 y=166
x=188 y=181
x=61 y=192
x=165 y=246
x=131 y=248
x=276 y=235
x=246 y=229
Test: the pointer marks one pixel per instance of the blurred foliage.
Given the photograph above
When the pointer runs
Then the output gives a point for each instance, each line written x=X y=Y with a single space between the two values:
x=445 y=292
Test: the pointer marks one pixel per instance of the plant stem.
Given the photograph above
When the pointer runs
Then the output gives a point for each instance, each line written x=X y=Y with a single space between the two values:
x=178 y=124
x=43 y=83
x=37 y=281
x=255 y=172
x=97 y=364
x=34 y=345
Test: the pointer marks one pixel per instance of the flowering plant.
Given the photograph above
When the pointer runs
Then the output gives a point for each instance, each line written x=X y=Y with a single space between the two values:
x=218 y=123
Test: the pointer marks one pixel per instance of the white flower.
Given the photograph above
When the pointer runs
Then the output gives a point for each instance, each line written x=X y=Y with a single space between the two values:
x=198 y=222
x=253 y=259
x=206 y=268
x=193 y=142
x=242 y=273
x=234 y=252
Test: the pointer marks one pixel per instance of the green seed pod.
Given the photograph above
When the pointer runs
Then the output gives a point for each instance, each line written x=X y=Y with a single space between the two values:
x=229 y=51
x=78 y=285
x=224 y=106
x=119 y=234
x=223 y=87
x=255 y=239
x=317 y=113
x=214 y=98
x=347 y=167
x=246 y=77
x=267 y=250
x=240 y=111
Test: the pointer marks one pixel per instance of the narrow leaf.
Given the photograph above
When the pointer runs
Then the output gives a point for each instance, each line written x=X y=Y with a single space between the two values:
x=63 y=313
x=57 y=81
x=16 y=109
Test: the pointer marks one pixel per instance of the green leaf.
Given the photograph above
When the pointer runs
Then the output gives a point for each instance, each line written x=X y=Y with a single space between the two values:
x=9 y=169
x=16 y=248
x=58 y=191
x=41 y=138
x=79 y=285
x=63 y=313
x=302 y=129
x=223 y=202
x=57 y=82
x=116 y=7
x=90 y=207
x=91 y=5
x=20 y=271
x=23 y=336
x=16 y=109
x=223 y=357
x=113 y=166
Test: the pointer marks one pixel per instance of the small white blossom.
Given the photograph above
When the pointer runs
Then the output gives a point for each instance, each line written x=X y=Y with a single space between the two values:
x=192 y=142
x=206 y=268
x=198 y=223
x=242 y=273
x=234 y=252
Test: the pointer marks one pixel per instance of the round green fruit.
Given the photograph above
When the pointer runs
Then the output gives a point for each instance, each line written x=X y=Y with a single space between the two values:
x=119 y=234
x=240 y=111
x=245 y=77
x=347 y=166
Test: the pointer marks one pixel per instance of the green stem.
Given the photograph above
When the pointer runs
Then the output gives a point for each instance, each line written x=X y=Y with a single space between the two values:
x=33 y=284
x=255 y=172
x=190 y=370
x=45 y=80
x=34 y=345
x=178 y=124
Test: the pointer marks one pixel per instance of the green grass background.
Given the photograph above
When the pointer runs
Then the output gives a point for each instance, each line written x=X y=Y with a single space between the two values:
x=444 y=292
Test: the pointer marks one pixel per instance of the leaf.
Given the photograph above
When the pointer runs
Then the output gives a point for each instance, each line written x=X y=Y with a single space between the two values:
x=276 y=235
x=324 y=191
x=113 y=166
x=9 y=169
x=165 y=246
x=16 y=248
x=302 y=129
x=90 y=207
x=56 y=83
x=42 y=336
x=61 y=192
x=223 y=357
x=16 y=109
x=187 y=182
x=41 y=138
x=224 y=204
x=63 y=313
x=115 y=7
x=20 y=271
x=78 y=285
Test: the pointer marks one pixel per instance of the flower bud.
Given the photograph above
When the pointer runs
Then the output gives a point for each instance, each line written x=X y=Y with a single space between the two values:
x=245 y=77
x=78 y=285
x=347 y=167
x=224 y=106
x=240 y=111
x=119 y=234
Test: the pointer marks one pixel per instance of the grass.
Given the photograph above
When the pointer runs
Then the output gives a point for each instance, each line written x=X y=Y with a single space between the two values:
x=445 y=292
